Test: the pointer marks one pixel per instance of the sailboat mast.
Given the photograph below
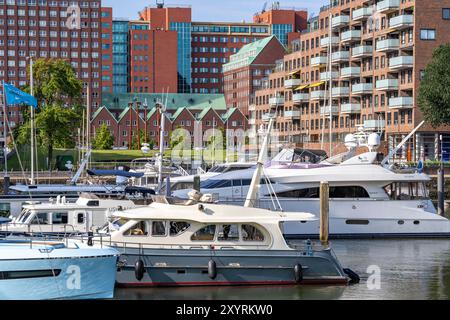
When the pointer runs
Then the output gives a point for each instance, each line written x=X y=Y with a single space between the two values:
x=5 y=126
x=32 y=123
x=330 y=48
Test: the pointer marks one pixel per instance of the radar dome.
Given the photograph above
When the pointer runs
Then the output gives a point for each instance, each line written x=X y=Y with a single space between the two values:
x=374 y=140
x=350 y=141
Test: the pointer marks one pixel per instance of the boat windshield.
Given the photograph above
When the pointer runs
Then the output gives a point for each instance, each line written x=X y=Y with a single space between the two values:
x=24 y=215
x=407 y=191
x=216 y=183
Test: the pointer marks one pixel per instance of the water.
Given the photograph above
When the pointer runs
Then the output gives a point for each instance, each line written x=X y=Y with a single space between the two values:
x=409 y=269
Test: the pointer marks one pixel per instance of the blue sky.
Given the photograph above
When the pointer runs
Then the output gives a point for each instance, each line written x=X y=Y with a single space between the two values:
x=211 y=10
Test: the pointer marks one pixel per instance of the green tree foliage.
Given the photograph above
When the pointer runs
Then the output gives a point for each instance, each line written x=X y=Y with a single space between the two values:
x=59 y=94
x=434 y=91
x=103 y=140
x=134 y=143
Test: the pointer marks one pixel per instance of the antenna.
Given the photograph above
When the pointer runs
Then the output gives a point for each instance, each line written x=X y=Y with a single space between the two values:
x=264 y=7
x=160 y=3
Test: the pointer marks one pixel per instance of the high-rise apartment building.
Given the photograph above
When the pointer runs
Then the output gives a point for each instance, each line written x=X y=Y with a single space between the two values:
x=203 y=47
x=69 y=30
x=379 y=50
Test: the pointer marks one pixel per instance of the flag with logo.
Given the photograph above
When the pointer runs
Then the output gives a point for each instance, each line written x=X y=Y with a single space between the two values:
x=15 y=96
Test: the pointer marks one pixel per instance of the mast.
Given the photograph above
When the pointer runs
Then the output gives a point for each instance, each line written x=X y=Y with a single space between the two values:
x=330 y=88
x=251 y=195
x=161 y=144
x=88 y=121
x=138 y=133
x=5 y=126
x=32 y=182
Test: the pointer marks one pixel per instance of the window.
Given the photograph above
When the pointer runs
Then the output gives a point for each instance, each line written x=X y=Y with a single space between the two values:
x=139 y=229
x=446 y=13
x=158 y=228
x=40 y=218
x=228 y=232
x=427 y=34
x=251 y=233
x=335 y=192
x=80 y=218
x=204 y=234
x=59 y=217
x=177 y=228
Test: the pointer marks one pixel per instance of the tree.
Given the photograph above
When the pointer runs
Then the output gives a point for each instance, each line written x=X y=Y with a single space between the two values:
x=103 y=140
x=434 y=91
x=59 y=94
x=134 y=142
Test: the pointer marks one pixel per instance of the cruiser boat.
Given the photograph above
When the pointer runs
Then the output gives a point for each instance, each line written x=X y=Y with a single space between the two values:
x=38 y=270
x=366 y=199
x=59 y=217
x=189 y=243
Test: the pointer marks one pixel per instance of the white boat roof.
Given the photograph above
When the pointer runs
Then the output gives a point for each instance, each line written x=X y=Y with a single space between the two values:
x=338 y=173
x=212 y=213
x=64 y=188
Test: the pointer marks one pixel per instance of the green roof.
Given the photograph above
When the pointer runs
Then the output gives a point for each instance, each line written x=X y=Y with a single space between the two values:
x=178 y=112
x=247 y=54
x=123 y=114
x=175 y=101
x=204 y=113
x=229 y=113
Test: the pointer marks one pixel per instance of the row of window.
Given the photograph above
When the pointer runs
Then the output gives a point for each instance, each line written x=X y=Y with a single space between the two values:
x=82 y=4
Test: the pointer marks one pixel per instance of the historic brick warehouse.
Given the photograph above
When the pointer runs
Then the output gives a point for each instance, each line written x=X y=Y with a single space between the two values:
x=193 y=112
x=379 y=50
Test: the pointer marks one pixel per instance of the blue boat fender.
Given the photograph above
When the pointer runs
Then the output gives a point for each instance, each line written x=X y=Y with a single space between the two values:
x=354 y=277
x=139 y=269
x=212 y=269
x=298 y=272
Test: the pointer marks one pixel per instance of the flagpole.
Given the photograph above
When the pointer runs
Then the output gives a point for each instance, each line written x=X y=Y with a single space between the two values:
x=32 y=123
x=5 y=118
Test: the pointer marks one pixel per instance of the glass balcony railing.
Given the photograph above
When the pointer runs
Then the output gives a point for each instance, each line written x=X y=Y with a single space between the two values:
x=340 y=21
x=362 y=88
x=351 y=35
x=362 y=51
x=317 y=95
x=340 y=56
x=319 y=61
x=401 y=62
x=300 y=98
x=326 y=110
x=388 y=45
x=401 y=103
x=362 y=14
x=339 y=92
x=276 y=101
x=290 y=114
x=350 y=72
x=401 y=22
x=351 y=108
x=374 y=124
x=387 y=84
x=325 y=42
x=386 y=6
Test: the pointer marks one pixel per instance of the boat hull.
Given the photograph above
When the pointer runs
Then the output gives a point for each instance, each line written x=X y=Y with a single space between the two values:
x=75 y=278
x=190 y=267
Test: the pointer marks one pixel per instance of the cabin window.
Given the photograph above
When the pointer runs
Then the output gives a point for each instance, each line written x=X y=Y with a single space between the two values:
x=93 y=203
x=80 y=218
x=40 y=218
x=228 y=232
x=178 y=227
x=251 y=233
x=139 y=229
x=342 y=192
x=59 y=218
x=204 y=234
x=407 y=191
x=158 y=228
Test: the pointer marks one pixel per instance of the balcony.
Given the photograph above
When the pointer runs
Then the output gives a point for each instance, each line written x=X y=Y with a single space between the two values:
x=276 y=101
x=362 y=88
x=340 y=56
x=319 y=61
x=299 y=98
x=388 y=45
x=325 y=42
x=388 y=6
x=401 y=22
x=351 y=35
x=350 y=72
x=252 y=121
x=362 y=51
x=401 y=103
x=292 y=83
x=325 y=76
x=267 y=116
x=401 y=62
x=290 y=114
x=252 y=107
x=351 y=108
x=339 y=92
x=340 y=21
x=387 y=84
x=374 y=124
x=326 y=110
x=362 y=14
x=318 y=95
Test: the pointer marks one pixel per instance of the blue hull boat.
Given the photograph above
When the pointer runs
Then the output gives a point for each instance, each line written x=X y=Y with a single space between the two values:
x=43 y=270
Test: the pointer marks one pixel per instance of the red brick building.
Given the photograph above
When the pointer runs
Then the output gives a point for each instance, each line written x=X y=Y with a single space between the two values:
x=244 y=74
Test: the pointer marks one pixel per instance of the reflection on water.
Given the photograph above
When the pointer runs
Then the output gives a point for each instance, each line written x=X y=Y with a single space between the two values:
x=410 y=269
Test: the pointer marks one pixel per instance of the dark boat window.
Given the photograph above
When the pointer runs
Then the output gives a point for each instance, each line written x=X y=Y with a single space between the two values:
x=40 y=218
x=343 y=192
x=158 y=228
x=213 y=184
x=93 y=203
x=178 y=227
x=139 y=229
x=204 y=234
x=80 y=218
x=358 y=222
x=60 y=218
x=228 y=232
x=29 y=274
x=251 y=233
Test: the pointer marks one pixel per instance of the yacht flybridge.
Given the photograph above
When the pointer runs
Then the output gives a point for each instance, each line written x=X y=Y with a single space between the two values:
x=187 y=243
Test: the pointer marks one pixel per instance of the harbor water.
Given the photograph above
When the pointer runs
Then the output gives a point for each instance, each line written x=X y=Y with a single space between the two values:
x=389 y=269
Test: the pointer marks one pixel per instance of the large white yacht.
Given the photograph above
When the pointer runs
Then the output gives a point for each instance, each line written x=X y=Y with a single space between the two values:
x=366 y=199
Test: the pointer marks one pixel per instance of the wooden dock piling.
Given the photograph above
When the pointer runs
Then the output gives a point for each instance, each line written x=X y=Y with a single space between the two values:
x=324 y=212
